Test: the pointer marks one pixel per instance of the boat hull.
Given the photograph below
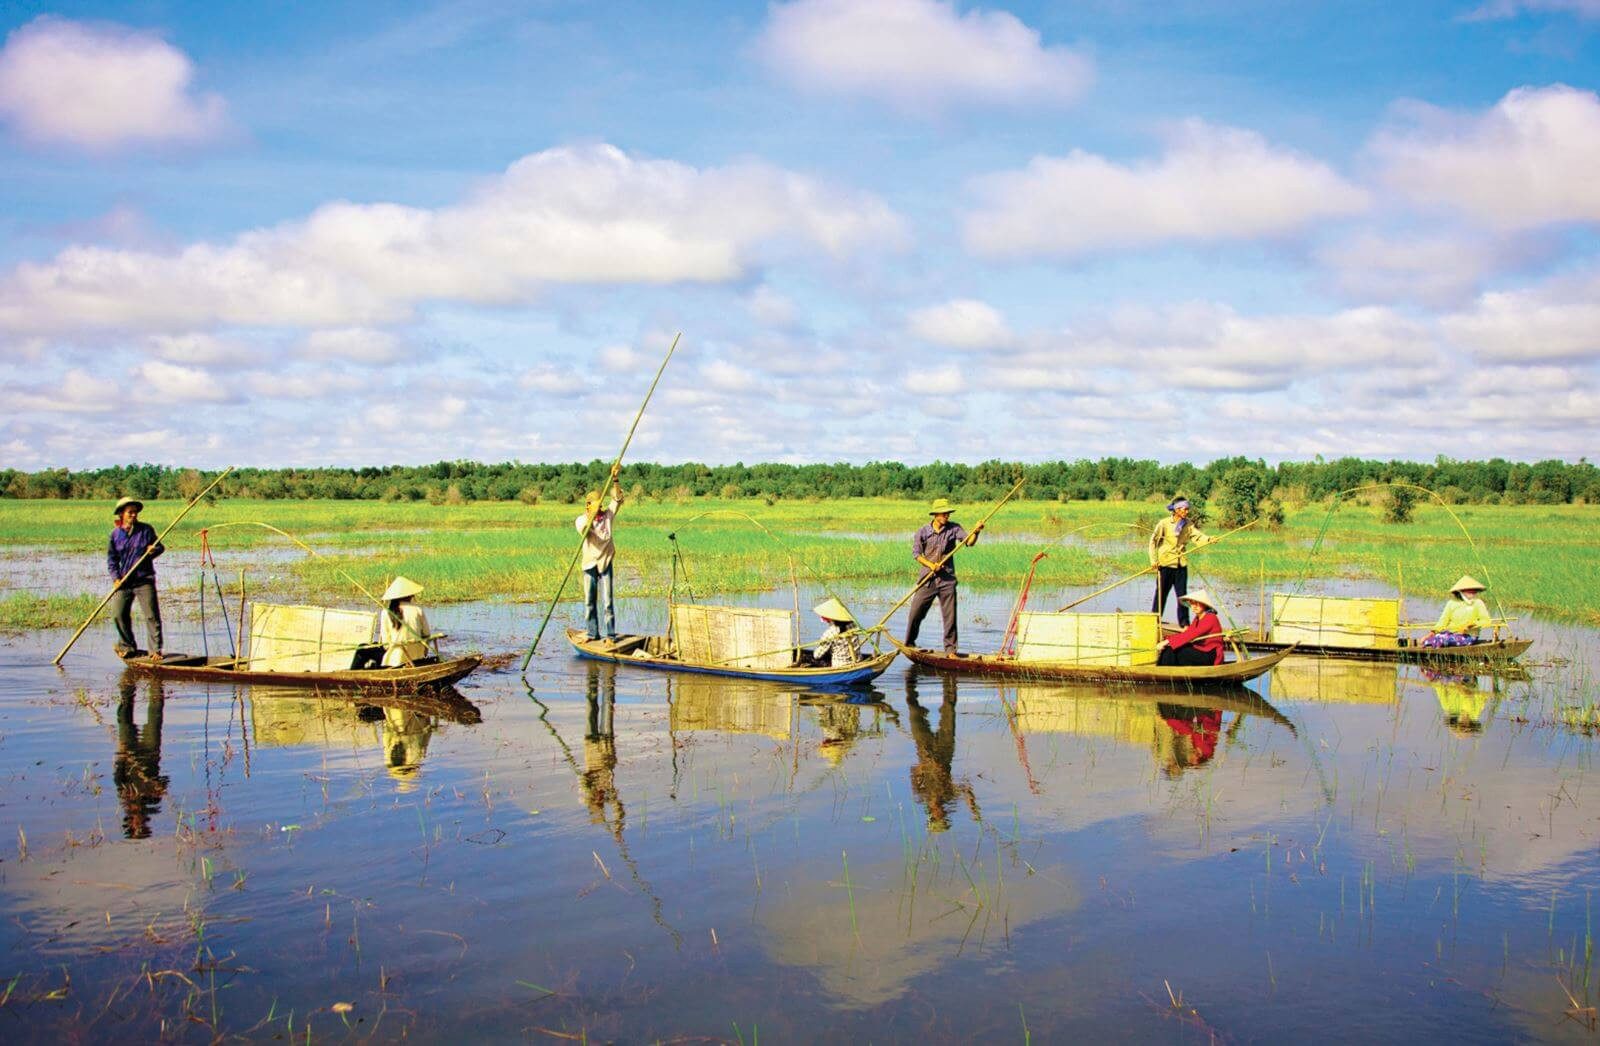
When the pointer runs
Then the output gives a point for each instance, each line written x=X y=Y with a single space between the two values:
x=1229 y=674
x=1477 y=653
x=851 y=675
x=217 y=669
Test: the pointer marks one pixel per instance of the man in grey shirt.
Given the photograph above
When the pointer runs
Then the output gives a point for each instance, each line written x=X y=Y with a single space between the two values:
x=932 y=547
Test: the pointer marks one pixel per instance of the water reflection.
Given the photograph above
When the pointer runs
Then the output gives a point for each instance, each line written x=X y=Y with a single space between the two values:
x=136 y=769
x=399 y=726
x=598 y=779
x=1466 y=707
x=1333 y=680
x=931 y=779
x=730 y=707
x=845 y=719
x=1183 y=731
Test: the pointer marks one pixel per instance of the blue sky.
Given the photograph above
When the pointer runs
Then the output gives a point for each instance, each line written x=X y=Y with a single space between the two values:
x=357 y=234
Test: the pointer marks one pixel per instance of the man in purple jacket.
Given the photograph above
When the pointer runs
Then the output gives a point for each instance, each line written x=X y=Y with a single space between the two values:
x=126 y=561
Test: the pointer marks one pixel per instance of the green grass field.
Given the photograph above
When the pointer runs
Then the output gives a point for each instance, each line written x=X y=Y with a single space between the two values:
x=1540 y=559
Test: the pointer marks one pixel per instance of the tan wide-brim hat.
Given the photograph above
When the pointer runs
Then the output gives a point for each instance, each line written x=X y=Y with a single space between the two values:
x=400 y=588
x=1202 y=597
x=124 y=503
x=1468 y=583
x=941 y=505
x=833 y=610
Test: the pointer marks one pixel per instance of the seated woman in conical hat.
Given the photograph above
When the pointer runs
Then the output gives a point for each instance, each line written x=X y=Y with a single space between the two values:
x=1464 y=614
x=1202 y=643
x=402 y=626
x=841 y=640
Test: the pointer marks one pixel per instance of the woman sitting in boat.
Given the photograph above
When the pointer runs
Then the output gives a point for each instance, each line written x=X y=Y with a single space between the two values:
x=1201 y=643
x=402 y=627
x=1464 y=614
x=841 y=640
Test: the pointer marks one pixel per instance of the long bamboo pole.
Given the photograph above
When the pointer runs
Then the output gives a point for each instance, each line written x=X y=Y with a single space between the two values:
x=610 y=479
x=118 y=586
x=1146 y=570
x=921 y=580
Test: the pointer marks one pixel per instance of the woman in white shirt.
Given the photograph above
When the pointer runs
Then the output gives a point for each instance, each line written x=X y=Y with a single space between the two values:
x=402 y=626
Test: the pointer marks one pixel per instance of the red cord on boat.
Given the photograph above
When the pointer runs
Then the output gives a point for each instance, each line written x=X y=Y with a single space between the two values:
x=1008 y=643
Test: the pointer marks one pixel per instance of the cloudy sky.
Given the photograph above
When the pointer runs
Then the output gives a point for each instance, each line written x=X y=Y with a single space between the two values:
x=275 y=234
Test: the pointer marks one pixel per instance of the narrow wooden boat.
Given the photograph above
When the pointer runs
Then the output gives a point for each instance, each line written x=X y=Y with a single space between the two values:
x=425 y=676
x=1499 y=650
x=1229 y=673
x=651 y=652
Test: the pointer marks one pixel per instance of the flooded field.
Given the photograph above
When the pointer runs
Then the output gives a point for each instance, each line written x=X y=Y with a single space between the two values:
x=615 y=855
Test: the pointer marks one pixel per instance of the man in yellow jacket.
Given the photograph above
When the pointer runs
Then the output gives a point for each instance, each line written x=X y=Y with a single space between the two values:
x=1169 y=545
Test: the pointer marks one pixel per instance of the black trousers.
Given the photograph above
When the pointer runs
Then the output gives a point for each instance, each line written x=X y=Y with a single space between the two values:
x=944 y=590
x=1187 y=656
x=121 y=608
x=1176 y=580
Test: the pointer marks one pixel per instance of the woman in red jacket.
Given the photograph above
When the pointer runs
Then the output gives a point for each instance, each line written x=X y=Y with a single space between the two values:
x=1199 y=644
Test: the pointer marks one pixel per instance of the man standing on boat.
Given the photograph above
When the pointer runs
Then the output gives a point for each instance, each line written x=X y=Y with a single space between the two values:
x=127 y=563
x=933 y=547
x=1170 y=542
x=598 y=551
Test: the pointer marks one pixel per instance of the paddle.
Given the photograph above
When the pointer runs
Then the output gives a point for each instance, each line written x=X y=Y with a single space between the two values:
x=118 y=586
x=610 y=479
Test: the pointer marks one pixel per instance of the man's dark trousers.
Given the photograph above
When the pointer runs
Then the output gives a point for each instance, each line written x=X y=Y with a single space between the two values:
x=943 y=589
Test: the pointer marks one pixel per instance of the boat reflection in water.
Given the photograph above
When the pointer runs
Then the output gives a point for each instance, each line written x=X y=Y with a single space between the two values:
x=1182 y=731
x=399 y=726
x=136 y=769
x=1467 y=707
x=1334 y=681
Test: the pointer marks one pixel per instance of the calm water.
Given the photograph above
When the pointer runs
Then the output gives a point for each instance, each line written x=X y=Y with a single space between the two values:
x=1345 y=850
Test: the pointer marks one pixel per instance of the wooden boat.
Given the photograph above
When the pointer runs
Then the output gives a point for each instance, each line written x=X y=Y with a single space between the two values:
x=424 y=676
x=651 y=652
x=1228 y=674
x=1499 y=650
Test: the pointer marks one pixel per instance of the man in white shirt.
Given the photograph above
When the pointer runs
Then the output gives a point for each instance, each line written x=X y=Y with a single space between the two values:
x=597 y=554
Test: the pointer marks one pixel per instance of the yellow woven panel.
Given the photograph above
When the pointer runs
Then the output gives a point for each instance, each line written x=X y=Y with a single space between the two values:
x=284 y=722
x=1041 y=711
x=1369 y=624
x=1089 y=639
x=733 y=637
x=306 y=639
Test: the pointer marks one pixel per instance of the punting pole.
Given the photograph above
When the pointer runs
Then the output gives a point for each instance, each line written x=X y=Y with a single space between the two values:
x=610 y=479
x=1146 y=570
x=117 y=587
x=981 y=523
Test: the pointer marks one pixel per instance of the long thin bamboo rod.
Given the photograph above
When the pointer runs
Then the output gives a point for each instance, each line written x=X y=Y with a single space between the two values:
x=1146 y=570
x=611 y=478
x=920 y=581
x=118 y=586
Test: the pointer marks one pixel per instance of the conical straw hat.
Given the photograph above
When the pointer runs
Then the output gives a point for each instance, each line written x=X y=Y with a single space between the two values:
x=400 y=588
x=1467 y=582
x=833 y=610
x=1202 y=597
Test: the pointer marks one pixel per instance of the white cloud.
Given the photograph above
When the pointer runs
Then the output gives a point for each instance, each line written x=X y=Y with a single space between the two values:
x=1496 y=9
x=1436 y=269
x=356 y=344
x=101 y=87
x=78 y=392
x=1212 y=183
x=1531 y=160
x=591 y=215
x=770 y=307
x=728 y=377
x=621 y=358
x=1559 y=321
x=199 y=348
x=302 y=385
x=936 y=381
x=172 y=383
x=548 y=378
x=962 y=323
x=918 y=55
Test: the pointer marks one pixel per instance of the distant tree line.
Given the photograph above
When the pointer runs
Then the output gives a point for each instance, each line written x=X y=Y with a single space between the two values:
x=1239 y=481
